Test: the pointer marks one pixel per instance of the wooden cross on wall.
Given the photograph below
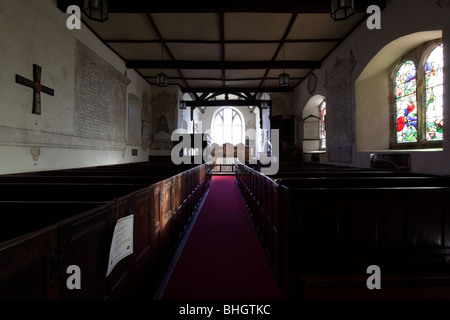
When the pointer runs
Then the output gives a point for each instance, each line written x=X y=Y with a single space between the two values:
x=36 y=86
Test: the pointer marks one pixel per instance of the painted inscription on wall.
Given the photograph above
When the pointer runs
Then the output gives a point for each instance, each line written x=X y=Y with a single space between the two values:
x=95 y=103
x=101 y=97
x=340 y=137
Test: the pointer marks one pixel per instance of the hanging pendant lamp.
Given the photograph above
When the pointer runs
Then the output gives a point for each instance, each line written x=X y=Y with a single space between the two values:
x=284 y=77
x=96 y=10
x=342 y=9
x=161 y=78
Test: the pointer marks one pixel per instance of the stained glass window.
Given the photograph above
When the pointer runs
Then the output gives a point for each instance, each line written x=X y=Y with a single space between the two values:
x=434 y=94
x=323 y=125
x=406 y=103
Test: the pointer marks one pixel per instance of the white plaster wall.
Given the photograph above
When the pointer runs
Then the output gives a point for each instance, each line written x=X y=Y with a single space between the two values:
x=400 y=18
x=372 y=115
x=35 y=32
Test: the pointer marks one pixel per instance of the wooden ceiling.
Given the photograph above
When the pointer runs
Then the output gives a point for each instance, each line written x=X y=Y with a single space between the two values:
x=224 y=46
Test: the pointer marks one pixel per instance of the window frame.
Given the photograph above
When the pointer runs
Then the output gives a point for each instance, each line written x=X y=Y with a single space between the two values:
x=419 y=57
x=322 y=147
x=234 y=114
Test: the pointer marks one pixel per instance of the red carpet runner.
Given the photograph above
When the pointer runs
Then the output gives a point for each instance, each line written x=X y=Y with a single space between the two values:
x=222 y=258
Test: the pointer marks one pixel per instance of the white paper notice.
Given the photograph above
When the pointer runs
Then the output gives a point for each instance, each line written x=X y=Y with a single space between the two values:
x=122 y=242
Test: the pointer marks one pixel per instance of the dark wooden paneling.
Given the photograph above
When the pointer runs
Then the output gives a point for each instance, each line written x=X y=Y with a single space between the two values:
x=34 y=266
x=28 y=267
x=333 y=222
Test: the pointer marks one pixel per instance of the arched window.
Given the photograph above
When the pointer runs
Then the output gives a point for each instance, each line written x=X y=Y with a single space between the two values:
x=314 y=125
x=418 y=105
x=228 y=127
x=323 y=125
x=434 y=77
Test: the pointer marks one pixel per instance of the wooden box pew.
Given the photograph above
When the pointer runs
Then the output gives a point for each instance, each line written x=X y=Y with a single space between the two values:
x=253 y=183
x=337 y=171
x=268 y=211
x=342 y=173
x=65 y=191
x=27 y=266
x=143 y=165
x=158 y=210
x=181 y=196
x=303 y=167
x=84 y=179
x=172 y=204
x=284 y=164
x=260 y=194
x=128 y=169
x=364 y=181
x=330 y=236
x=321 y=168
x=312 y=171
x=145 y=170
x=23 y=217
x=86 y=196
x=35 y=264
x=105 y=191
x=102 y=172
x=324 y=168
x=130 y=173
x=72 y=234
x=117 y=172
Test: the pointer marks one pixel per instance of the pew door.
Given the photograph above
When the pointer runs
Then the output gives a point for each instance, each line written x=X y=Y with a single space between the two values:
x=28 y=267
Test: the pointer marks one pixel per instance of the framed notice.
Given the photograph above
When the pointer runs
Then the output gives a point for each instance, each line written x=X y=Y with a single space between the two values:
x=122 y=242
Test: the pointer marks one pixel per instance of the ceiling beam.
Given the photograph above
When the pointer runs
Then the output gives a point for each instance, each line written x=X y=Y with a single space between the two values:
x=231 y=103
x=270 y=6
x=219 y=65
x=219 y=42
x=220 y=79
x=232 y=90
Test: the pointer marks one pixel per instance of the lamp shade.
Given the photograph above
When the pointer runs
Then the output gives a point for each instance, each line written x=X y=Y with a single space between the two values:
x=284 y=80
x=342 y=9
x=96 y=9
x=161 y=80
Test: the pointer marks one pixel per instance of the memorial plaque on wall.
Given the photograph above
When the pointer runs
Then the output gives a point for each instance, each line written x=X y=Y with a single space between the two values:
x=164 y=107
x=340 y=136
x=101 y=93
